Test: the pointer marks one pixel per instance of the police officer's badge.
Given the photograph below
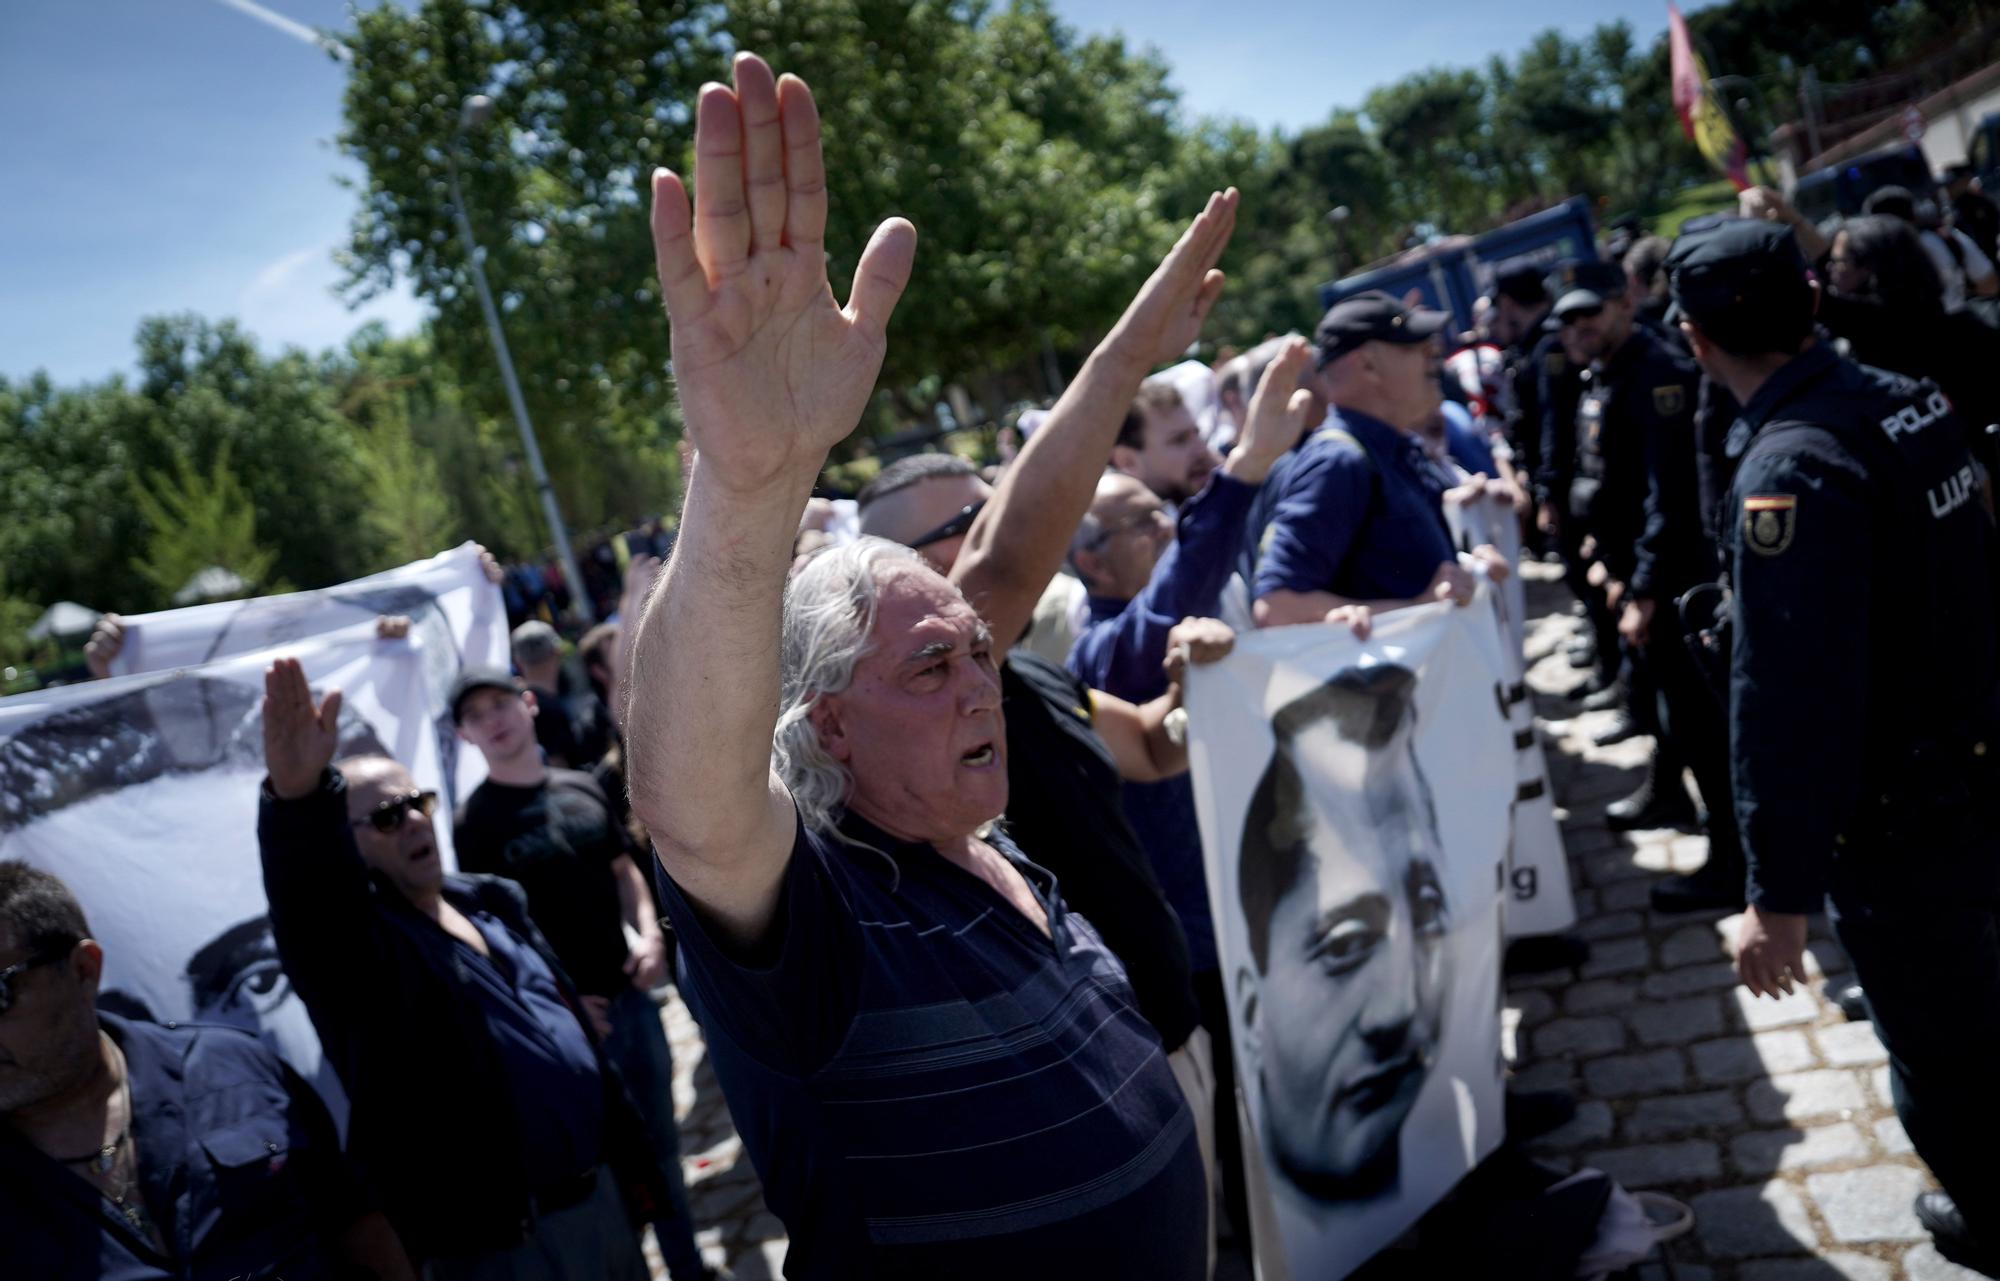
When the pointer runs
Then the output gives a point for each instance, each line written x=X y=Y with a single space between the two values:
x=1669 y=400
x=1769 y=521
x=1552 y=362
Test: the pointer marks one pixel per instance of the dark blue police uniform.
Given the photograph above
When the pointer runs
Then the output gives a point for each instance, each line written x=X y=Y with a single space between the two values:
x=240 y=1168
x=1862 y=695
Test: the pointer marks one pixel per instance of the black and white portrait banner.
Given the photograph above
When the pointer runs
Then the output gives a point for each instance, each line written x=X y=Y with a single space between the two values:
x=456 y=616
x=1354 y=802
x=141 y=791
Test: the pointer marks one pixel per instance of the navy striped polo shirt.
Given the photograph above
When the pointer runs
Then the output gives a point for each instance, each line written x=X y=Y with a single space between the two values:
x=929 y=1087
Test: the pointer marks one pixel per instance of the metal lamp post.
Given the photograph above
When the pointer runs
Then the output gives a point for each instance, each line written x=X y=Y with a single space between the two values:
x=474 y=114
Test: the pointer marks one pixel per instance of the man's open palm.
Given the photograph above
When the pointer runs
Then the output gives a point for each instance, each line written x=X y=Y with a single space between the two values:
x=300 y=735
x=772 y=371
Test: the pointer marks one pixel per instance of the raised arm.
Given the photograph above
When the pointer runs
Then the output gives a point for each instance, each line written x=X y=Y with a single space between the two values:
x=1022 y=534
x=772 y=374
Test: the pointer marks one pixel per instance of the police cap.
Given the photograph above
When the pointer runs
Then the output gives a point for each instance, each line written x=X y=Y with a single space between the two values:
x=1521 y=280
x=1744 y=281
x=1372 y=317
x=1588 y=285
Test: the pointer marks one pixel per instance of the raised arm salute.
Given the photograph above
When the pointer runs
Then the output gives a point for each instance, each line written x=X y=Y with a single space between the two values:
x=772 y=373
x=817 y=761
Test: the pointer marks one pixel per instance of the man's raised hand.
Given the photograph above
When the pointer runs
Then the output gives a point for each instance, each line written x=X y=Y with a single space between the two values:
x=299 y=734
x=1276 y=415
x=772 y=372
x=1167 y=314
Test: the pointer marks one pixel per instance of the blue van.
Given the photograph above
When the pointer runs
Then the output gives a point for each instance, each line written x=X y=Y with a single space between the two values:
x=1452 y=272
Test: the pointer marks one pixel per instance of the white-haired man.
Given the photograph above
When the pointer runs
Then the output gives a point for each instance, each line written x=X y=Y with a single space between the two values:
x=936 y=1069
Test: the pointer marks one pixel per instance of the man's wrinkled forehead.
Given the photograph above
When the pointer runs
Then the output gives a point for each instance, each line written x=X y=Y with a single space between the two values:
x=917 y=608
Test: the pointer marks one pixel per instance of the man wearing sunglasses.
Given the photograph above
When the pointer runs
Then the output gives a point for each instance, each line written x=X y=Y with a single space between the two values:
x=134 y=1150
x=483 y=1109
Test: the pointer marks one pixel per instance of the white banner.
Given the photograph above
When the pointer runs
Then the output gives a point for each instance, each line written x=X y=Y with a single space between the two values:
x=1539 y=899
x=1354 y=805
x=141 y=791
x=457 y=615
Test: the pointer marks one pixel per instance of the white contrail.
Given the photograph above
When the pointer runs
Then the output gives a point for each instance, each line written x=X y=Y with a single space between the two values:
x=296 y=30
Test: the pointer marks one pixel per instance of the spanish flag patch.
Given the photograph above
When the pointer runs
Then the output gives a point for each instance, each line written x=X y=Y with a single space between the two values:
x=1769 y=522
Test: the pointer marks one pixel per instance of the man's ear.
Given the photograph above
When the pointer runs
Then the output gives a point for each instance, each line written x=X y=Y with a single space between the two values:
x=534 y=708
x=1087 y=565
x=1246 y=1001
x=1124 y=458
x=86 y=961
x=832 y=730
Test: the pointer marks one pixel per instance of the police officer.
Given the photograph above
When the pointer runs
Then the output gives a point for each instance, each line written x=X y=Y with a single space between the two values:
x=1559 y=387
x=1862 y=698
x=1520 y=319
x=134 y=1151
x=1354 y=514
x=1637 y=486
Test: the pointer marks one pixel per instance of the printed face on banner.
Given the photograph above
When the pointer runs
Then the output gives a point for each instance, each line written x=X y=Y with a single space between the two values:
x=1354 y=800
x=1346 y=914
x=141 y=793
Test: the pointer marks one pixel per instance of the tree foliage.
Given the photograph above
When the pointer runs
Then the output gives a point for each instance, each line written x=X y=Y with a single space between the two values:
x=1045 y=171
x=198 y=520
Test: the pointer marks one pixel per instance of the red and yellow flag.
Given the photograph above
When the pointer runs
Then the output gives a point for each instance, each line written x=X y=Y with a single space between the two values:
x=1703 y=117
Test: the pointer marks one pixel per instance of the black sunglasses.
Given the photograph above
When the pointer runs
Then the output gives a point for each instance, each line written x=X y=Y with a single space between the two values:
x=388 y=816
x=952 y=528
x=12 y=972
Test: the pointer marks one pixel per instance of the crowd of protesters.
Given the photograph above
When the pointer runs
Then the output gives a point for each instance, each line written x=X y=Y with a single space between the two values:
x=960 y=1049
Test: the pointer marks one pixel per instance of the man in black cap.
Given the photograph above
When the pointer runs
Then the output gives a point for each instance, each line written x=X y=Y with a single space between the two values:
x=554 y=833
x=1862 y=698
x=1354 y=515
x=1521 y=327
x=1558 y=389
x=1637 y=490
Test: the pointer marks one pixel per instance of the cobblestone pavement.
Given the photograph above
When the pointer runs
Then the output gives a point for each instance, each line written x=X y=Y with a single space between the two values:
x=1770 y=1118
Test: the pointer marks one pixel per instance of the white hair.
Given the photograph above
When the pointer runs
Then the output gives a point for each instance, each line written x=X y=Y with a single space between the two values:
x=829 y=610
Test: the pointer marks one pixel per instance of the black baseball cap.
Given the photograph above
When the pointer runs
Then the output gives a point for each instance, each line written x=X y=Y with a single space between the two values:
x=1372 y=317
x=478 y=678
x=1744 y=281
x=1587 y=284
x=1521 y=280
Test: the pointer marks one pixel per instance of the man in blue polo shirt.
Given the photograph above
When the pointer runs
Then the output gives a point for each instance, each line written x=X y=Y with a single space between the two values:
x=937 y=1069
x=1355 y=514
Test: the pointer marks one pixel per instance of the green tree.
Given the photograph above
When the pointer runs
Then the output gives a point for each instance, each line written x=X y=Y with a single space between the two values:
x=207 y=386
x=199 y=519
x=588 y=99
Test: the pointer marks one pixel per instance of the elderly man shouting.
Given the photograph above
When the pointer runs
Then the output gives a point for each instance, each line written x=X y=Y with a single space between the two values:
x=937 y=1069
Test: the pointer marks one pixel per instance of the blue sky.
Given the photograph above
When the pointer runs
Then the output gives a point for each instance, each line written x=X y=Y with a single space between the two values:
x=177 y=155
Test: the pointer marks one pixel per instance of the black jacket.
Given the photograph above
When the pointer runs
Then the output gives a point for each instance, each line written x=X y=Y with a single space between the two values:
x=432 y=1127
